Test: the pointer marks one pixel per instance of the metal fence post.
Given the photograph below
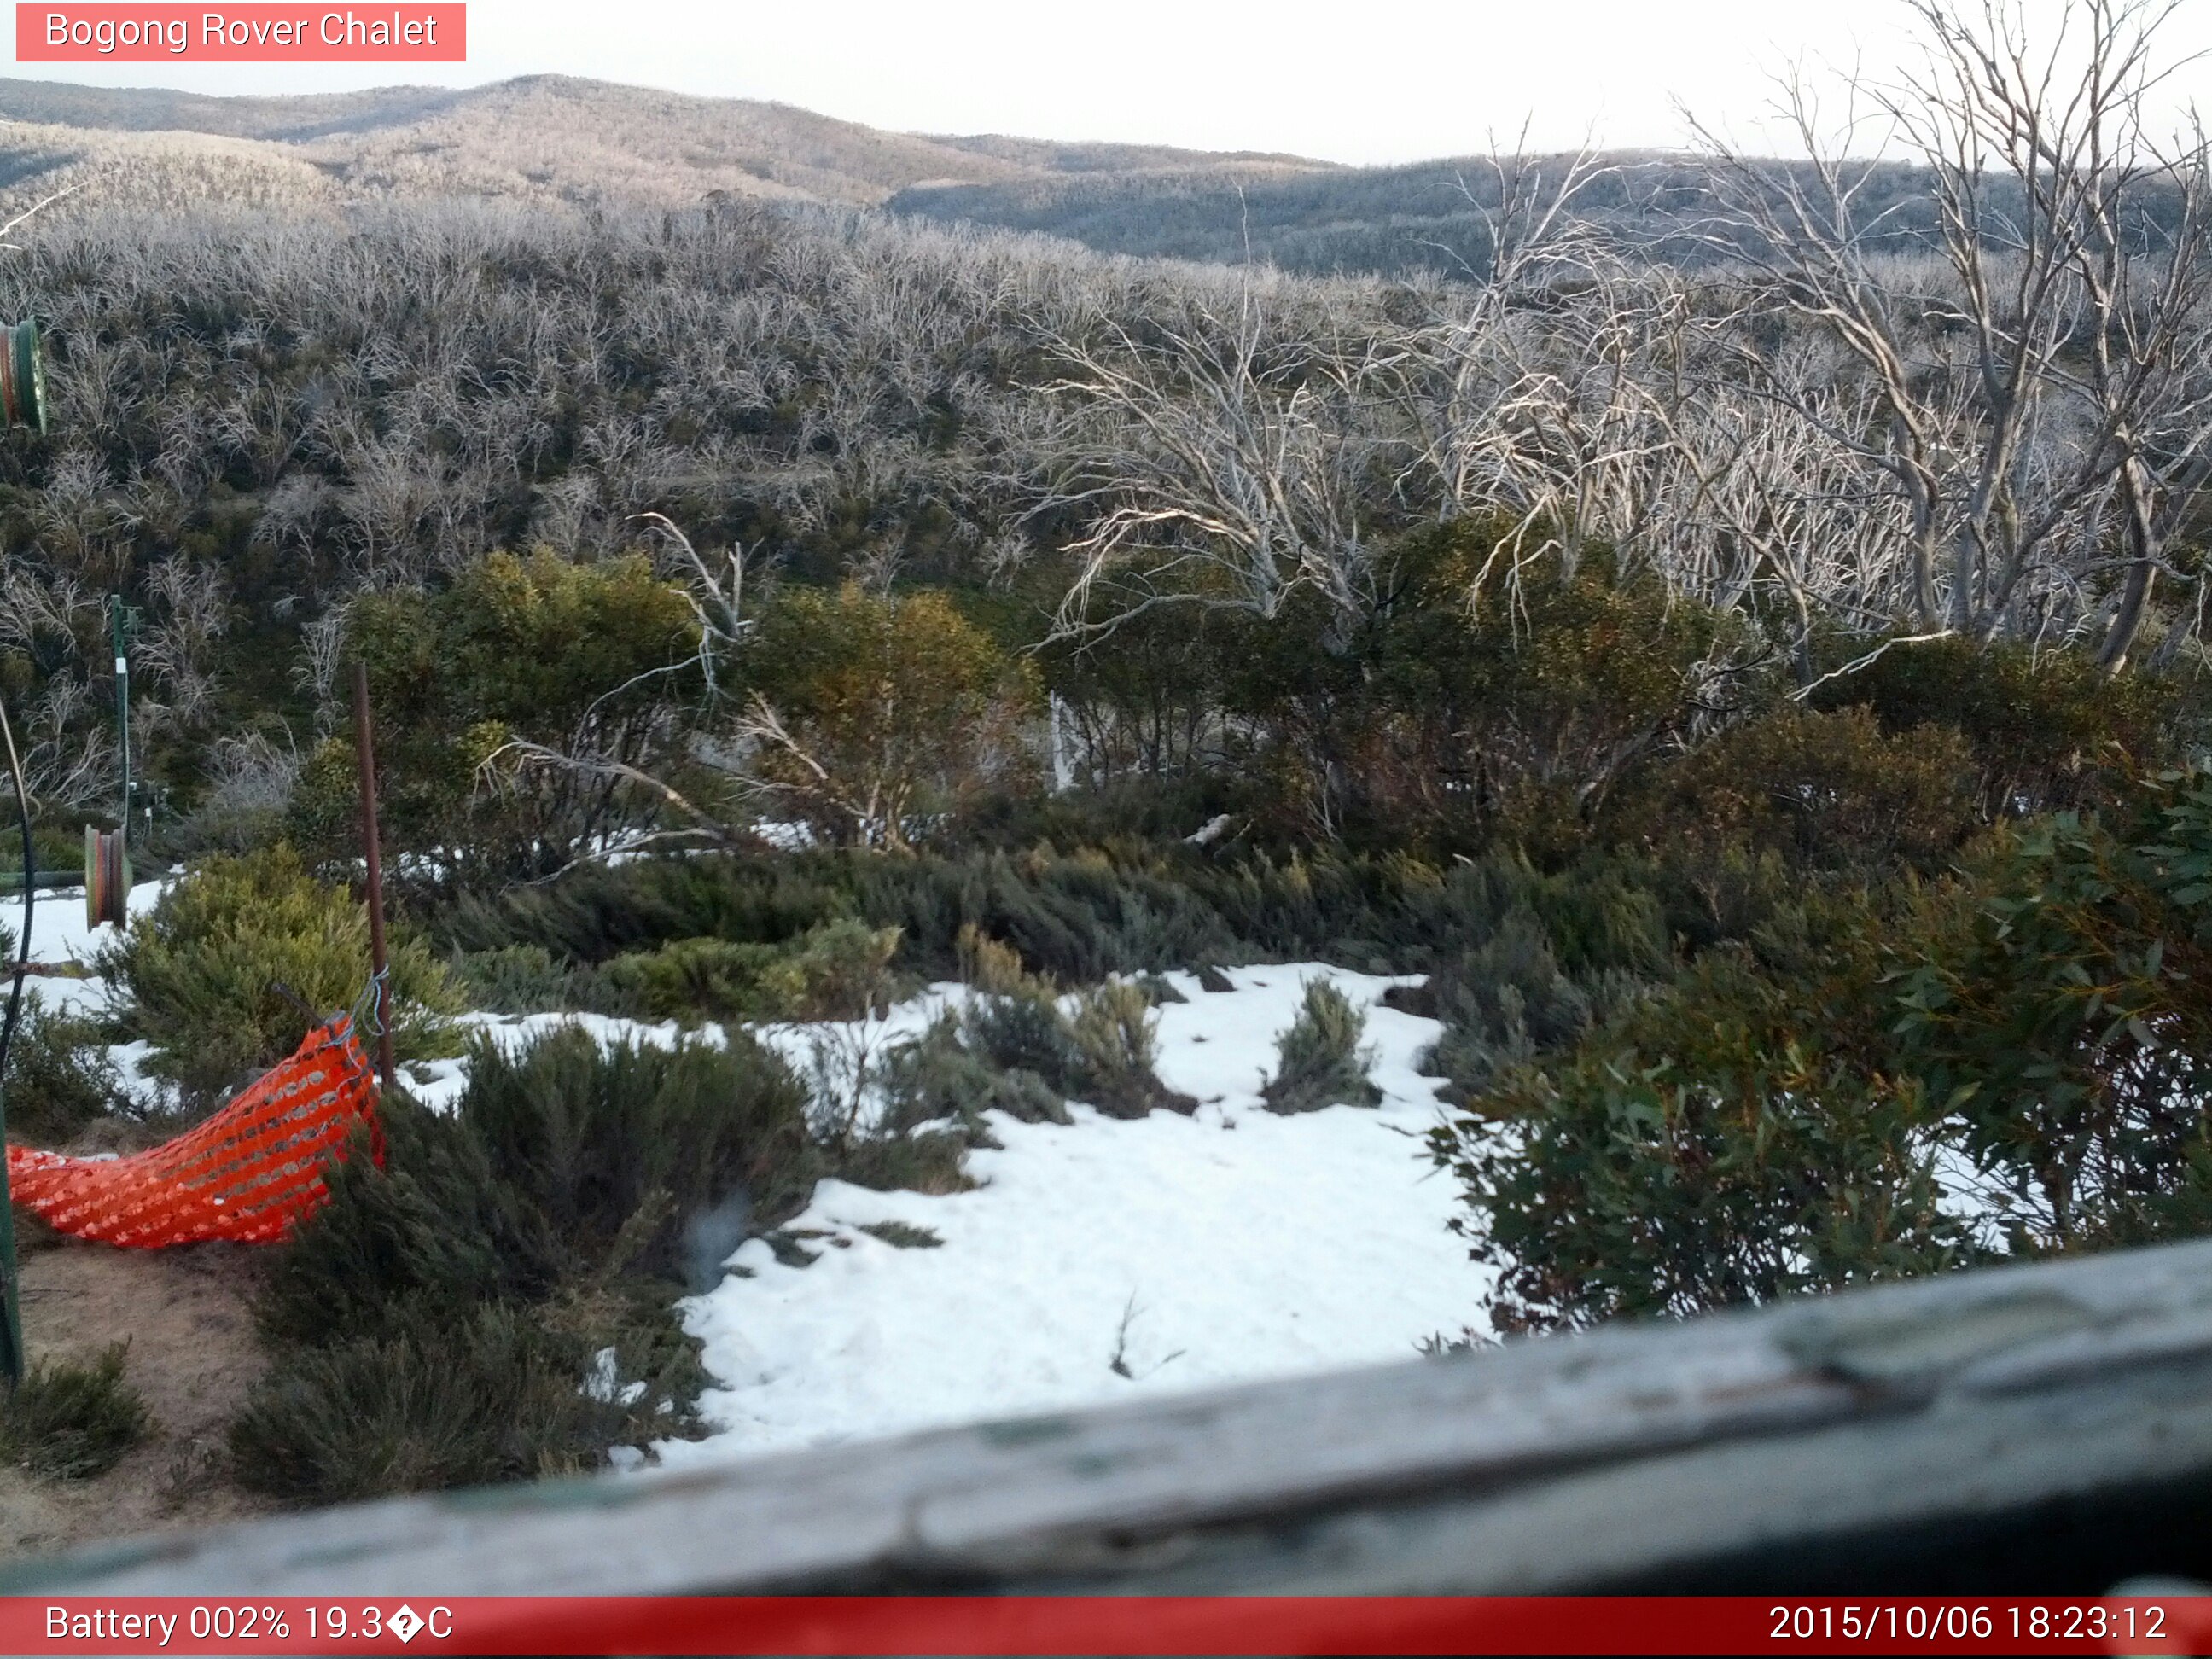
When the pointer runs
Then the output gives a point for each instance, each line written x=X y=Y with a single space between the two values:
x=364 y=738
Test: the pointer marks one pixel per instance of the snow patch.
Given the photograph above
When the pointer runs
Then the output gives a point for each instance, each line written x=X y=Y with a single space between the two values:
x=1109 y=1257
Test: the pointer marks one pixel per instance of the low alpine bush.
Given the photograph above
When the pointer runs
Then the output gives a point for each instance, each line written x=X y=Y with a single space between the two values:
x=72 y=1421
x=442 y=1320
x=240 y=959
x=1318 y=1060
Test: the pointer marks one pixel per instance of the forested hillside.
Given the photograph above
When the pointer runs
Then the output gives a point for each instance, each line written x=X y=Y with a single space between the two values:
x=592 y=144
x=1432 y=215
x=538 y=138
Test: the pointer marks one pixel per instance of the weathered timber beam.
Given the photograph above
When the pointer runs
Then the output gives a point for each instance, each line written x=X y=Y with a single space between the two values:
x=1984 y=1429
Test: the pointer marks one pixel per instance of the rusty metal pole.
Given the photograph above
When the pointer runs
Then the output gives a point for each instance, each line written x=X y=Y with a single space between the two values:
x=364 y=739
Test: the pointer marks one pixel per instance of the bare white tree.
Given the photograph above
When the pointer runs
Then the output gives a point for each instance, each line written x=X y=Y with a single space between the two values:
x=1218 y=460
x=2045 y=390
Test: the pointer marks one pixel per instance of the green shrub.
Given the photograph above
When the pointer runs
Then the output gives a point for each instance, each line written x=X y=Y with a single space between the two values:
x=1824 y=789
x=1441 y=724
x=1507 y=1002
x=1733 y=1138
x=886 y=706
x=440 y=1320
x=1026 y=1033
x=203 y=977
x=1318 y=1060
x=435 y=1402
x=1082 y=916
x=836 y=972
x=73 y=1422
x=1114 y=1031
x=2061 y=1016
x=432 y=1229
x=1771 y=1122
x=596 y=911
x=60 y=1076
x=528 y=979
x=595 y=1141
x=2046 y=728
x=925 y=1160
x=938 y=1075
x=1013 y=1025
x=580 y=656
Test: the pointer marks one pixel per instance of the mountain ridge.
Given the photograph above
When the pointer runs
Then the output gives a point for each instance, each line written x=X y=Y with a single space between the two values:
x=591 y=144
x=569 y=136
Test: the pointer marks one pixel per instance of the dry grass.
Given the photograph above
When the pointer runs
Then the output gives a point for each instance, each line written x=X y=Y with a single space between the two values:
x=192 y=1355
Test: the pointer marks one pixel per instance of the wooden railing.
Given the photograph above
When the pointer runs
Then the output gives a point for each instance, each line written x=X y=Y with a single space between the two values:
x=2044 y=1429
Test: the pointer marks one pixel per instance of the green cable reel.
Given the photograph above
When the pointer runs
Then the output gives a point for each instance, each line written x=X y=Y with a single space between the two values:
x=22 y=376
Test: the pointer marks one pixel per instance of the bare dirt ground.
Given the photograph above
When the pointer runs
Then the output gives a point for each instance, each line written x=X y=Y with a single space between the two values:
x=192 y=1355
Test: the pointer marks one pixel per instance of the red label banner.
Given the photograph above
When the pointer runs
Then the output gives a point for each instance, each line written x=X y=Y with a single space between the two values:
x=259 y=33
x=959 y=1625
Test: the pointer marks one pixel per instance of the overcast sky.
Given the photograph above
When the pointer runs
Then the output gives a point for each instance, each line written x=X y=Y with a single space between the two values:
x=1361 y=81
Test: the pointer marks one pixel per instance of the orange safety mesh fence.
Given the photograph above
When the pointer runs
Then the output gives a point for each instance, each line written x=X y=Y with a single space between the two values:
x=247 y=1173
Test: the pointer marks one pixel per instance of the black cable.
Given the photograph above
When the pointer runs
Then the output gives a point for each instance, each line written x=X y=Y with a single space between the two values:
x=30 y=881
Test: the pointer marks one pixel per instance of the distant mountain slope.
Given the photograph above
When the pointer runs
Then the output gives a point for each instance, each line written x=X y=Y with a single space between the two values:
x=540 y=136
x=1390 y=219
x=1051 y=156
x=1364 y=218
x=158 y=109
x=155 y=171
x=592 y=143
x=587 y=140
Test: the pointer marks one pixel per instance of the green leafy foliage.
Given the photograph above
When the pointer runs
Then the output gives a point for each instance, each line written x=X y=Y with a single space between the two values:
x=871 y=708
x=2063 y=1020
x=493 y=1396
x=238 y=959
x=1012 y=1048
x=2045 y=729
x=429 y=1227
x=928 y=1161
x=1116 y=1033
x=527 y=979
x=1724 y=1141
x=595 y=1141
x=1507 y=1000
x=1144 y=706
x=575 y=658
x=2032 y=1031
x=1451 y=715
x=952 y=1072
x=1825 y=790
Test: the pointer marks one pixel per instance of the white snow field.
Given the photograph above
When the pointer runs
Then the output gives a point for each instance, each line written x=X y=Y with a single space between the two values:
x=1093 y=1262
x=1225 y=1246
x=59 y=933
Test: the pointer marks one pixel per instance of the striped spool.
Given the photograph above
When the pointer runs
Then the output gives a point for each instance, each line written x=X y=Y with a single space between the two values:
x=106 y=878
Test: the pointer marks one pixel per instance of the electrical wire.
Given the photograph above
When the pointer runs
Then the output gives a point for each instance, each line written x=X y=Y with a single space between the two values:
x=30 y=883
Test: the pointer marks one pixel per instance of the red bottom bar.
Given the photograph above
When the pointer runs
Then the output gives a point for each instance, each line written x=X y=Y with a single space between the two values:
x=960 y=1624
